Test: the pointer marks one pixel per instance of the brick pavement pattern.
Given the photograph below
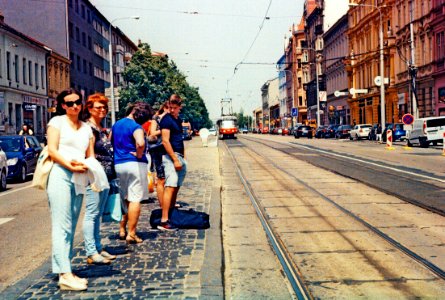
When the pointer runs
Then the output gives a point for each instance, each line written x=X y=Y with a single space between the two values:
x=176 y=265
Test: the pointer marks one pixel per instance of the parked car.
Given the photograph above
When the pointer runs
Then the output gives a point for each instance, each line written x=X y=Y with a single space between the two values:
x=330 y=131
x=22 y=153
x=320 y=132
x=343 y=131
x=398 y=131
x=244 y=130
x=302 y=131
x=265 y=130
x=372 y=135
x=3 y=170
x=426 y=131
x=285 y=131
x=360 y=131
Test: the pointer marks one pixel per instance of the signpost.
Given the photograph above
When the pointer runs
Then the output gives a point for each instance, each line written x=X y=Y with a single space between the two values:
x=294 y=111
x=407 y=119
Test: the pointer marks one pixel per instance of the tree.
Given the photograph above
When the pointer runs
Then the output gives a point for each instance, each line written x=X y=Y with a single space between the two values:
x=153 y=79
x=243 y=120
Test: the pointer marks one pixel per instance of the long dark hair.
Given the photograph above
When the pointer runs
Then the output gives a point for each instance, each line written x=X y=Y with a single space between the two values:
x=61 y=100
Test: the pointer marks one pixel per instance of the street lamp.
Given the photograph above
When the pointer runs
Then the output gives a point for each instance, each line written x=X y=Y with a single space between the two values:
x=382 y=64
x=316 y=83
x=110 y=57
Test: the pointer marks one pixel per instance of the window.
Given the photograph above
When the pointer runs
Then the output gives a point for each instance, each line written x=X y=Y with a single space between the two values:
x=85 y=66
x=36 y=75
x=30 y=72
x=77 y=34
x=90 y=45
x=16 y=65
x=84 y=39
x=70 y=30
x=83 y=11
x=42 y=76
x=8 y=65
x=78 y=63
x=91 y=69
x=76 y=6
x=24 y=72
x=70 y=3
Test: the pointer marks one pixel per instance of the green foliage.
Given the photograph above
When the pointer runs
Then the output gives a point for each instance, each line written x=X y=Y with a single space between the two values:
x=243 y=120
x=153 y=79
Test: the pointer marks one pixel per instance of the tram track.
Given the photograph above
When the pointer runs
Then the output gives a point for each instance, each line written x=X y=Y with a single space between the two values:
x=291 y=269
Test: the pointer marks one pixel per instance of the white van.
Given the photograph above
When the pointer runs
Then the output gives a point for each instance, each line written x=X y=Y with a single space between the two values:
x=426 y=131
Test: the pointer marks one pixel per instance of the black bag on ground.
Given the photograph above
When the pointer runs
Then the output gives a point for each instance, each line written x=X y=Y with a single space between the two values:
x=183 y=219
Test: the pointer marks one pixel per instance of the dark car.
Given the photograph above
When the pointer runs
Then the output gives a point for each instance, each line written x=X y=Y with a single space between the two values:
x=372 y=135
x=186 y=133
x=302 y=131
x=398 y=133
x=22 y=153
x=343 y=132
x=330 y=131
x=321 y=131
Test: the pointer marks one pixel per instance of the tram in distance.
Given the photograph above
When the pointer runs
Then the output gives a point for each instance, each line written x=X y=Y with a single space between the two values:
x=226 y=127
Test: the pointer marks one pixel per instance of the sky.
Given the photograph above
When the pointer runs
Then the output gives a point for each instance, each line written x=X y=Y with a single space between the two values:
x=207 y=39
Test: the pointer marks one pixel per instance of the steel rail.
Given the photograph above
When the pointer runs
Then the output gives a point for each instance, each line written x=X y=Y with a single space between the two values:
x=290 y=269
x=423 y=261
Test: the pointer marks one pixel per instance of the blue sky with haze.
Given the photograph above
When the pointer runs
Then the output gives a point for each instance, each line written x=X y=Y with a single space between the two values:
x=208 y=38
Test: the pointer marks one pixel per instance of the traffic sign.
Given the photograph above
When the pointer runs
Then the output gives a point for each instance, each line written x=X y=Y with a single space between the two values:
x=294 y=111
x=407 y=119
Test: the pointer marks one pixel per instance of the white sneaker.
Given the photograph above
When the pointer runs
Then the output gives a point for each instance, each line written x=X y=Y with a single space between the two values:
x=70 y=283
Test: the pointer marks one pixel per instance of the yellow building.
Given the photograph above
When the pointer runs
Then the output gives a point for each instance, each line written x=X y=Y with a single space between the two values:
x=58 y=77
x=364 y=63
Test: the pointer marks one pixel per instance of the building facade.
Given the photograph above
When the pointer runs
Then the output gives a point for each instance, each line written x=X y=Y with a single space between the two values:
x=437 y=26
x=336 y=48
x=23 y=81
x=364 y=61
x=313 y=57
x=58 y=68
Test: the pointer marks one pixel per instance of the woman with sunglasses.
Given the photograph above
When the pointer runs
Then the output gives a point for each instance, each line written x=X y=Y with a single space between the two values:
x=96 y=109
x=70 y=141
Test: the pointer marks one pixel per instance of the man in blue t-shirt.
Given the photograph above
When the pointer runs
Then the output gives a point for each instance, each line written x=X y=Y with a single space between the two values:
x=175 y=165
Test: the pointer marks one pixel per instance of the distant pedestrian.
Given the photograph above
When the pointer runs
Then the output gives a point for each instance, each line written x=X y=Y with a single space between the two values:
x=130 y=163
x=175 y=165
x=96 y=109
x=26 y=130
x=379 y=133
x=354 y=122
x=70 y=141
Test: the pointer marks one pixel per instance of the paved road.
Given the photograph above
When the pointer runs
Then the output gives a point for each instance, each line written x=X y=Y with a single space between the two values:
x=416 y=175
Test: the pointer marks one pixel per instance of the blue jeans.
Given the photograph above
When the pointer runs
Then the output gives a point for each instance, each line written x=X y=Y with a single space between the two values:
x=65 y=208
x=94 y=207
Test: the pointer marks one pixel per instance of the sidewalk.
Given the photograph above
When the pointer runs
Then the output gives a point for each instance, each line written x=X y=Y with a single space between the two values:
x=186 y=264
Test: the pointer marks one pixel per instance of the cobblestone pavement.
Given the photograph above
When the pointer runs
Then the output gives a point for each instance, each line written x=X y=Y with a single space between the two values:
x=185 y=264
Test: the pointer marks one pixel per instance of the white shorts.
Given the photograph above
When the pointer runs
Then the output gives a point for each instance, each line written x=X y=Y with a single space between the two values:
x=133 y=181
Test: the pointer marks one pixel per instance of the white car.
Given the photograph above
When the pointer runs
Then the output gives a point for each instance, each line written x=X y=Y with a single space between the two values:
x=3 y=170
x=360 y=131
x=212 y=131
x=426 y=131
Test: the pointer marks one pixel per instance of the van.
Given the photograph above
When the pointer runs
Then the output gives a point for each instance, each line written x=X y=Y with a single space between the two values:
x=426 y=131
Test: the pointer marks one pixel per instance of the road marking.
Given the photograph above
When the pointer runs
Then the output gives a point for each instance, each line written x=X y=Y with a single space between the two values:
x=367 y=162
x=5 y=220
x=15 y=190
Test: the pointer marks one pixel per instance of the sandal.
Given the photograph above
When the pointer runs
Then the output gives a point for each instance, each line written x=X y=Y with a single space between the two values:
x=122 y=235
x=133 y=239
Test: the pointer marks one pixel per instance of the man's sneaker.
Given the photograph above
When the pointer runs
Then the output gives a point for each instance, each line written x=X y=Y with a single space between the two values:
x=167 y=226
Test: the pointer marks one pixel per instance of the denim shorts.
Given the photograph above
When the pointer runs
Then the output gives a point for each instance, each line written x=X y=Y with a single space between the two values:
x=174 y=178
x=133 y=181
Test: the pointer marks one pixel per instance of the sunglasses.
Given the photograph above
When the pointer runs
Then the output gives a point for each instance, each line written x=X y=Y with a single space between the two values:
x=78 y=102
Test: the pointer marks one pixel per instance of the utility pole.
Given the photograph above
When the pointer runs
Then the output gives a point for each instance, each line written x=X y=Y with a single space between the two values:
x=412 y=69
